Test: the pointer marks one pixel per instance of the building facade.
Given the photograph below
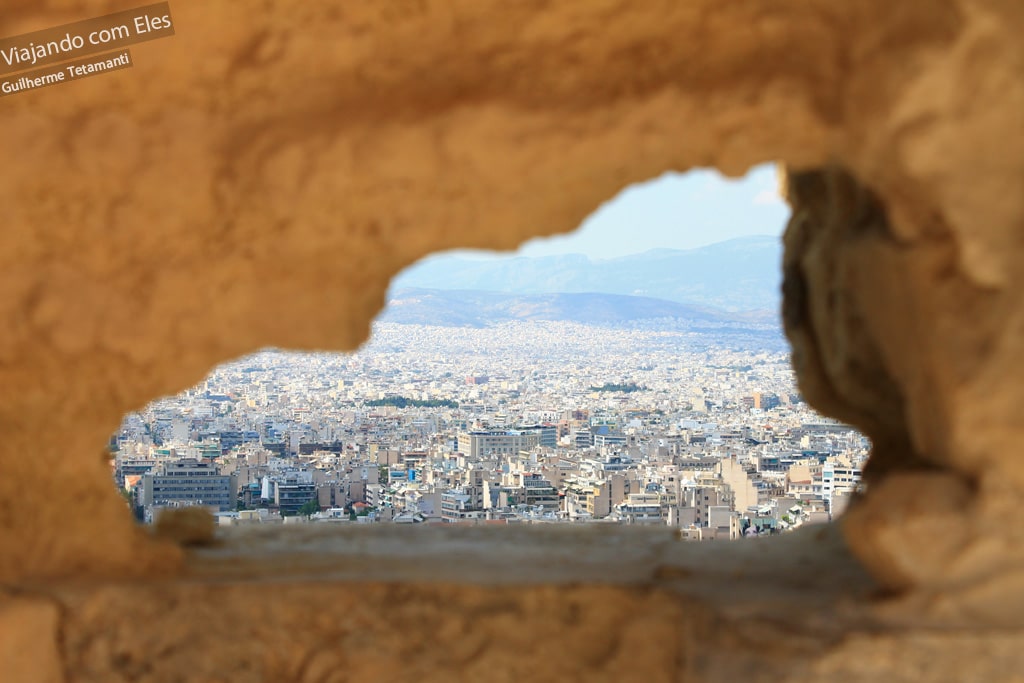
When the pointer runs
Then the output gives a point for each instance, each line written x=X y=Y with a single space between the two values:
x=186 y=482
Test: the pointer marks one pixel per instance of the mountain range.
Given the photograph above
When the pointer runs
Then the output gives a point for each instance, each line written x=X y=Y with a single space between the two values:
x=742 y=274
x=462 y=308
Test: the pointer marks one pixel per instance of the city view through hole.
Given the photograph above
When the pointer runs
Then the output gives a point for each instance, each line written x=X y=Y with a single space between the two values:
x=632 y=372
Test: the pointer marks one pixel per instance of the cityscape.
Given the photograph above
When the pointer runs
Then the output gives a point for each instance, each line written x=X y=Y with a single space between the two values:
x=518 y=422
x=551 y=385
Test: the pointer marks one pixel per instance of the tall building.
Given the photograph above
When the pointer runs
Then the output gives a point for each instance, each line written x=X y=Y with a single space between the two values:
x=548 y=434
x=292 y=492
x=582 y=438
x=131 y=467
x=737 y=478
x=497 y=442
x=643 y=508
x=188 y=482
x=538 y=491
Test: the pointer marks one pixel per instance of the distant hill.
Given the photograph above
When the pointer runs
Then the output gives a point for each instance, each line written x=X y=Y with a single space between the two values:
x=742 y=274
x=460 y=308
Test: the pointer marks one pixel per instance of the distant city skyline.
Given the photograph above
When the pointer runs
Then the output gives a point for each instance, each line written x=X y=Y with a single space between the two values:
x=673 y=211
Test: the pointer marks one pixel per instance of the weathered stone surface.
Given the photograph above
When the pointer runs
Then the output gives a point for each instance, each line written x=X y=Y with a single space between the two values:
x=186 y=526
x=330 y=603
x=542 y=604
x=256 y=179
x=28 y=640
x=887 y=333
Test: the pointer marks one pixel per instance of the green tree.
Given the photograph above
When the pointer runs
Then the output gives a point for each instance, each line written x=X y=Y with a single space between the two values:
x=405 y=402
x=310 y=507
x=628 y=388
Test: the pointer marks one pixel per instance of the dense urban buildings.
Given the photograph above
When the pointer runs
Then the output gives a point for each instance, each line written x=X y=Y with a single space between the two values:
x=520 y=422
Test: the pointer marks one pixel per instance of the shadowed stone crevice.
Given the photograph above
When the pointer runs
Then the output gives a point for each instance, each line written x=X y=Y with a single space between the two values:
x=839 y=367
x=929 y=526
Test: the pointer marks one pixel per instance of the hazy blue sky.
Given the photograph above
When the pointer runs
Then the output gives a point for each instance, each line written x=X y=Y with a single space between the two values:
x=675 y=211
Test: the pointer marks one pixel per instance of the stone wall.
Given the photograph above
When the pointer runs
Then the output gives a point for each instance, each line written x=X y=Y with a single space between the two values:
x=256 y=179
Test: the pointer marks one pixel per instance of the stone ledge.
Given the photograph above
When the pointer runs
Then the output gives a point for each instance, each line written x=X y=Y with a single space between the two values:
x=524 y=603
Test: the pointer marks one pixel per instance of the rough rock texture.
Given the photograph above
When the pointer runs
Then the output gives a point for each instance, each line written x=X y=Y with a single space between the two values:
x=542 y=604
x=256 y=179
x=888 y=333
x=29 y=648
x=509 y=604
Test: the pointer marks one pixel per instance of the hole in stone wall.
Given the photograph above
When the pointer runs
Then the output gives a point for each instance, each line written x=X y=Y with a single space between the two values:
x=632 y=372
